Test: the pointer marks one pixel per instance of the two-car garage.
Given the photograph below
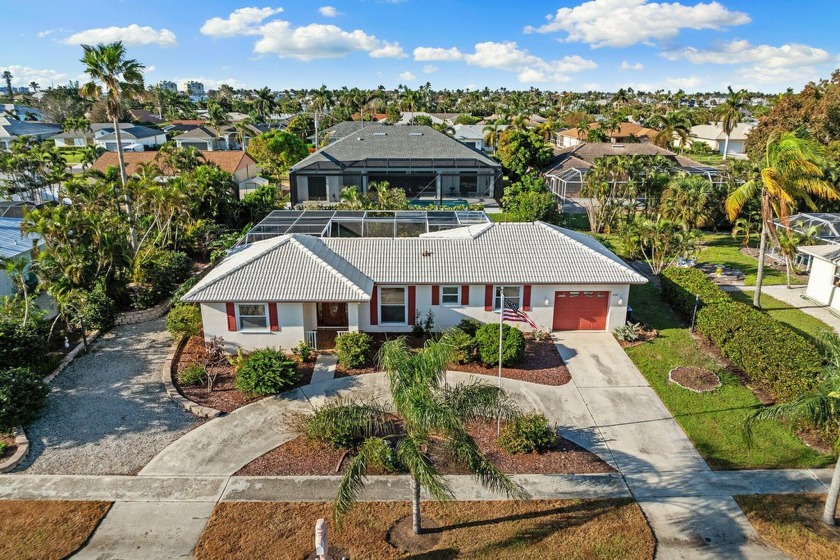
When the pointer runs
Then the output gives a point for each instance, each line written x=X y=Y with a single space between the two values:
x=580 y=310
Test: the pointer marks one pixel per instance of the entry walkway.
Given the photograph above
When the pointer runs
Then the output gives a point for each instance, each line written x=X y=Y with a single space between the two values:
x=793 y=297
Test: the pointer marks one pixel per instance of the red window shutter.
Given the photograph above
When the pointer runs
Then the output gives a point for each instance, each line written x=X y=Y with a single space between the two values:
x=435 y=295
x=374 y=306
x=465 y=295
x=412 y=304
x=272 y=316
x=488 y=297
x=526 y=298
x=231 y=316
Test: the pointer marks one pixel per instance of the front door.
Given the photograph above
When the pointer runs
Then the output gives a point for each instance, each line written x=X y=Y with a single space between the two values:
x=332 y=314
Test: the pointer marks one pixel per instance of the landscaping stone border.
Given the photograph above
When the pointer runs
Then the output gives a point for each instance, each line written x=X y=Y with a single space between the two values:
x=167 y=373
x=62 y=365
x=678 y=384
x=135 y=317
x=20 y=454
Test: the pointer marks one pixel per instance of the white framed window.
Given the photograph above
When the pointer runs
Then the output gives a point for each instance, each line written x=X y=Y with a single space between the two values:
x=393 y=306
x=252 y=316
x=450 y=295
x=512 y=293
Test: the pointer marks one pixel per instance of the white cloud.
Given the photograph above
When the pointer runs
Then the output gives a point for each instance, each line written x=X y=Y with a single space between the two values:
x=240 y=22
x=407 y=76
x=622 y=23
x=429 y=69
x=328 y=11
x=149 y=69
x=425 y=54
x=306 y=43
x=131 y=35
x=689 y=82
x=530 y=68
x=23 y=75
x=635 y=67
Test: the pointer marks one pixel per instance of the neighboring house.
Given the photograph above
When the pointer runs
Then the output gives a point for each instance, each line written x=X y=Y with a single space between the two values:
x=145 y=117
x=567 y=171
x=21 y=112
x=134 y=137
x=282 y=290
x=823 y=276
x=573 y=137
x=344 y=129
x=437 y=118
x=205 y=138
x=713 y=136
x=418 y=159
x=238 y=163
x=11 y=129
x=13 y=244
x=473 y=135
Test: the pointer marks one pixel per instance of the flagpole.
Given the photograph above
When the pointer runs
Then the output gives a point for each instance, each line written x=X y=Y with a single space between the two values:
x=501 y=320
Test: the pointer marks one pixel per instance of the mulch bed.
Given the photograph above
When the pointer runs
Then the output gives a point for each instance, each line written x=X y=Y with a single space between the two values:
x=304 y=457
x=224 y=396
x=11 y=447
x=645 y=335
x=541 y=364
x=695 y=379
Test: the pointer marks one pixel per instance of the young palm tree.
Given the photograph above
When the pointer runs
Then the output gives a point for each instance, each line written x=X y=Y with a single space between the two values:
x=429 y=410
x=730 y=112
x=791 y=173
x=673 y=123
x=492 y=132
x=686 y=201
x=243 y=129
x=18 y=271
x=822 y=407
x=789 y=243
x=116 y=78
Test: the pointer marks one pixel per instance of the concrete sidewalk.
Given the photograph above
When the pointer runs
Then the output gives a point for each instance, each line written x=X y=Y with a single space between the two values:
x=793 y=297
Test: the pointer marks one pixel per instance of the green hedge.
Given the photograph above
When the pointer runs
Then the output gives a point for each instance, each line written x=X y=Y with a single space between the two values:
x=681 y=286
x=769 y=352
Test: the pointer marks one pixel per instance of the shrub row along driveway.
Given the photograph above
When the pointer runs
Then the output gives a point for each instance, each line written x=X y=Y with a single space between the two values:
x=107 y=413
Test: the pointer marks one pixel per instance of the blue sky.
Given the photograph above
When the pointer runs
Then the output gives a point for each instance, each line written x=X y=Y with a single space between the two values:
x=563 y=45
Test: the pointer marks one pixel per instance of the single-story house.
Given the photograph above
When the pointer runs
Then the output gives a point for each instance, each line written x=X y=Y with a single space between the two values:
x=418 y=159
x=473 y=135
x=713 y=136
x=824 y=277
x=279 y=291
x=205 y=138
x=238 y=163
x=11 y=129
x=573 y=137
x=408 y=117
x=134 y=137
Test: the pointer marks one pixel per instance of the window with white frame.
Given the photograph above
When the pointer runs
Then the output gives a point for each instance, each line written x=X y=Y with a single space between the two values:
x=252 y=316
x=450 y=295
x=512 y=293
x=392 y=306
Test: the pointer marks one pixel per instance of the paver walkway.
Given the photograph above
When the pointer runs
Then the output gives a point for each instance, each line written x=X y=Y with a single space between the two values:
x=793 y=297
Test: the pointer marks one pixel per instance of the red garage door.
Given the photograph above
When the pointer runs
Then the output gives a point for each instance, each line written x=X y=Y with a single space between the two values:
x=580 y=311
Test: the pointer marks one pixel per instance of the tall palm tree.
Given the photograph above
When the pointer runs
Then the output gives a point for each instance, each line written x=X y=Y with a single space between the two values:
x=822 y=407
x=492 y=132
x=117 y=78
x=729 y=113
x=33 y=85
x=671 y=124
x=243 y=129
x=217 y=117
x=791 y=172
x=429 y=409
x=686 y=201
x=264 y=103
x=7 y=77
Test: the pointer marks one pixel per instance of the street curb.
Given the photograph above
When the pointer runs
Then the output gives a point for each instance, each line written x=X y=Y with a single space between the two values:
x=62 y=365
x=22 y=451
x=168 y=371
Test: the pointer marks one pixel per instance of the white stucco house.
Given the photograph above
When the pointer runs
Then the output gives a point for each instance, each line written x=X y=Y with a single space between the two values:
x=278 y=291
x=824 y=277
x=713 y=136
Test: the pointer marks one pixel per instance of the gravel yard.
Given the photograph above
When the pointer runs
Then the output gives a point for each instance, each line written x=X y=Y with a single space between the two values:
x=108 y=412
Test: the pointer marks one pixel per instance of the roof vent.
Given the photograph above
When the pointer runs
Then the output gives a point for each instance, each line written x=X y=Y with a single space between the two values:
x=380 y=134
x=415 y=134
x=427 y=253
x=359 y=138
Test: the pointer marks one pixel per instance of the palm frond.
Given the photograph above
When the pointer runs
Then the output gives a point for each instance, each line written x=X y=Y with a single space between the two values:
x=479 y=400
x=373 y=451
x=465 y=452
x=410 y=454
x=817 y=408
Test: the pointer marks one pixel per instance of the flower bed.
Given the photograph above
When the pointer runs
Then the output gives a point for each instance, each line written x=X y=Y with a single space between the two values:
x=541 y=364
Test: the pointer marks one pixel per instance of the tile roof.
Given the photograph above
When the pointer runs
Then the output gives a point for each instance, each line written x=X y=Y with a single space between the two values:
x=394 y=142
x=134 y=131
x=299 y=267
x=583 y=156
x=229 y=161
x=627 y=128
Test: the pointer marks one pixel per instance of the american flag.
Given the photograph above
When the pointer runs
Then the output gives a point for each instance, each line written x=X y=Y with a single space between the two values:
x=512 y=313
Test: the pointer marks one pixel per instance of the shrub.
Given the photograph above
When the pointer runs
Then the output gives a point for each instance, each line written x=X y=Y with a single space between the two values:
x=463 y=345
x=194 y=374
x=304 y=352
x=469 y=325
x=345 y=424
x=769 y=352
x=185 y=287
x=629 y=332
x=681 y=286
x=266 y=372
x=22 y=346
x=487 y=344
x=184 y=319
x=99 y=310
x=354 y=350
x=2 y=448
x=23 y=395
x=527 y=434
x=157 y=275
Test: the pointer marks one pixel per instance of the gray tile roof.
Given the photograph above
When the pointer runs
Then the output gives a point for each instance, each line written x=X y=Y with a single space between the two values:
x=10 y=128
x=397 y=143
x=585 y=155
x=305 y=268
x=137 y=132
x=346 y=128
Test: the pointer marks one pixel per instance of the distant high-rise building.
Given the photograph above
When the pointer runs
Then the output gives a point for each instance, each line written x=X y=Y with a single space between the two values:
x=195 y=89
x=169 y=86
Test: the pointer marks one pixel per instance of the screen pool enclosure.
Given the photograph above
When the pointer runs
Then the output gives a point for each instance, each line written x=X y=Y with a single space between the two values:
x=362 y=223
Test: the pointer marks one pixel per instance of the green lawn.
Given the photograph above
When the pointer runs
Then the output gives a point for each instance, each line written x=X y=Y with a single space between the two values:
x=722 y=249
x=806 y=325
x=711 y=420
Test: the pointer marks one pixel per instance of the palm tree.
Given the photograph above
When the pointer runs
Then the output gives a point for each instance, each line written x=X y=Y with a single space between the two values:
x=492 y=132
x=18 y=271
x=89 y=156
x=789 y=243
x=243 y=129
x=429 y=409
x=673 y=123
x=820 y=408
x=686 y=201
x=729 y=112
x=7 y=77
x=791 y=172
x=217 y=117
x=745 y=227
x=33 y=85
x=116 y=78
x=264 y=103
